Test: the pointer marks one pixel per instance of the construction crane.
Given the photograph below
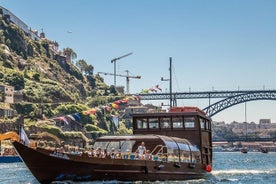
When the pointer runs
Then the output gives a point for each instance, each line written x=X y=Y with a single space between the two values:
x=127 y=76
x=114 y=61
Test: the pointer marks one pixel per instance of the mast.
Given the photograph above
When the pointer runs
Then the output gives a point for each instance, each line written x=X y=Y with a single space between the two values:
x=171 y=82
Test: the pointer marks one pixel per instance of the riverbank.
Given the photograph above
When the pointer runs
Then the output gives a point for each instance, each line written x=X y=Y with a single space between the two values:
x=251 y=146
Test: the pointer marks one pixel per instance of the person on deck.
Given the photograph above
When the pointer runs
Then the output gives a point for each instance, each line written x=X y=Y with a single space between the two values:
x=142 y=150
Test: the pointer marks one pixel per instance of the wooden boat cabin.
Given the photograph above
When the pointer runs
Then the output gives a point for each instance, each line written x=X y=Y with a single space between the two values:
x=189 y=123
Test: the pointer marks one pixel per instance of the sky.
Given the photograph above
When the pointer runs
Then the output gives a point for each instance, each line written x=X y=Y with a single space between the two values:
x=214 y=44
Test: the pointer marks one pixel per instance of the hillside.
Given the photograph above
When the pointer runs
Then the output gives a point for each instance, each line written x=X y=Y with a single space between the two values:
x=52 y=85
x=32 y=66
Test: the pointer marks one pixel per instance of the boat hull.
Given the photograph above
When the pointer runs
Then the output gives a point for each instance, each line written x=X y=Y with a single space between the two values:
x=49 y=166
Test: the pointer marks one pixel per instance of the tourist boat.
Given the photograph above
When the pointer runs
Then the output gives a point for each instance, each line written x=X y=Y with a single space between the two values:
x=8 y=154
x=178 y=145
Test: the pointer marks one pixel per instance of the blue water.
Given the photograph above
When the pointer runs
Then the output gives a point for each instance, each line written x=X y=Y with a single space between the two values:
x=228 y=168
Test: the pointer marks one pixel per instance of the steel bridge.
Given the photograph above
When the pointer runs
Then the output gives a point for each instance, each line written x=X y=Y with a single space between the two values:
x=229 y=98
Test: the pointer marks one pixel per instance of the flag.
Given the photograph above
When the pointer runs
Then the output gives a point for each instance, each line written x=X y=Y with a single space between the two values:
x=153 y=89
x=62 y=118
x=115 y=120
x=76 y=116
x=158 y=87
x=71 y=117
x=23 y=137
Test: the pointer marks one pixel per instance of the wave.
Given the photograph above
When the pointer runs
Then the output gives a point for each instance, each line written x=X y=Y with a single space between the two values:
x=237 y=171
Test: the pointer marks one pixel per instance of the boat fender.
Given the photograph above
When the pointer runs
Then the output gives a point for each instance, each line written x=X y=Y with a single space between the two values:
x=208 y=168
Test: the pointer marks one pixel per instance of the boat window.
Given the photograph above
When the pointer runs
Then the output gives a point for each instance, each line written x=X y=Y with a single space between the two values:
x=202 y=123
x=113 y=144
x=177 y=122
x=153 y=123
x=100 y=145
x=189 y=122
x=124 y=145
x=194 y=148
x=117 y=145
x=195 y=154
x=142 y=123
x=165 y=122
x=172 y=150
x=208 y=124
x=185 y=153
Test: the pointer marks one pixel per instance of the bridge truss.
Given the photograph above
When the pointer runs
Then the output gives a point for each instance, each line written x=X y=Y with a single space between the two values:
x=231 y=98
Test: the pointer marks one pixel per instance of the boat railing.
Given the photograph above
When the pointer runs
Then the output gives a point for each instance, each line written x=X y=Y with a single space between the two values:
x=159 y=154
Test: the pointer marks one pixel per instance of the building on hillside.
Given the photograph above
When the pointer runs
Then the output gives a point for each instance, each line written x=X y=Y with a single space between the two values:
x=132 y=110
x=265 y=124
x=219 y=124
x=18 y=96
x=7 y=98
x=10 y=17
x=244 y=127
x=120 y=89
x=7 y=93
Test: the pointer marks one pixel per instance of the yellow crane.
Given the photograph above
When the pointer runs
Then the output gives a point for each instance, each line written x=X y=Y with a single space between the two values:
x=127 y=76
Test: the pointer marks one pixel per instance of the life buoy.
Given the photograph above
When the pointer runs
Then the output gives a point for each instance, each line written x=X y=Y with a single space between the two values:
x=208 y=168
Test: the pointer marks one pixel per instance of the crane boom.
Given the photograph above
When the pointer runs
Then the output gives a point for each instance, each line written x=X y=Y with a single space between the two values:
x=126 y=76
x=129 y=76
x=115 y=59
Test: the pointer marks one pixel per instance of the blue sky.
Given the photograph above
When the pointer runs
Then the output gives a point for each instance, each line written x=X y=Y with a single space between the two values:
x=215 y=44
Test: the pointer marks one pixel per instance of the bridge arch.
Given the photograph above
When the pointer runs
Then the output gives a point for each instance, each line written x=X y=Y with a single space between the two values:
x=237 y=99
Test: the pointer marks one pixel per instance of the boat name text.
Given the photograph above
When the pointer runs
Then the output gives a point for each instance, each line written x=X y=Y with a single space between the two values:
x=60 y=155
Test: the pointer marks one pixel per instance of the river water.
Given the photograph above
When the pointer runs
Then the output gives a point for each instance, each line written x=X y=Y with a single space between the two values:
x=230 y=167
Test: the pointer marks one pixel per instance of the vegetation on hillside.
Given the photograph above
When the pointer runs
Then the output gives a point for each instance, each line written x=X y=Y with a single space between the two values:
x=53 y=84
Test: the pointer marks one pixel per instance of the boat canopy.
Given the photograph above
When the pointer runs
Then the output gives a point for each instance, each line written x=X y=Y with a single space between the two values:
x=170 y=148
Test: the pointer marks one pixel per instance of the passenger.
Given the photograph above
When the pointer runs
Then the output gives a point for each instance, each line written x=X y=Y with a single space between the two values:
x=112 y=154
x=119 y=154
x=127 y=154
x=142 y=150
x=105 y=154
x=99 y=152
x=148 y=155
x=137 y=154
x=91 y=152
x=60 y=150
x=85 y=154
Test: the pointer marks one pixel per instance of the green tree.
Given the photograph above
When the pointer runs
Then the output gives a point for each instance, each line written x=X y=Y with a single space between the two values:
x=69 y=54
x=89 y=70
x=81 y=64
x=15 y=79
